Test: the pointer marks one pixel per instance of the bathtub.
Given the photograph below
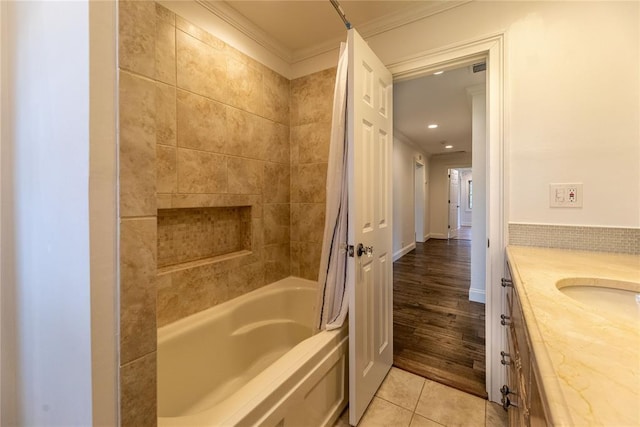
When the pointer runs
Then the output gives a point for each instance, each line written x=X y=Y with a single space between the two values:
x=253 y=360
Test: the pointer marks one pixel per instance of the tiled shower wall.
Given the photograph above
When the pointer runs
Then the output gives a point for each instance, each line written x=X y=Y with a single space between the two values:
x=311 y=109
x=202 y=127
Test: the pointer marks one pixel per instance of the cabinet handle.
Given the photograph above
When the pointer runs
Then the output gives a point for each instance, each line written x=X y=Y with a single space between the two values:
x=503 y=355
x=503 y=322
x=506 y=283
x=506 y=403
x=505 y=390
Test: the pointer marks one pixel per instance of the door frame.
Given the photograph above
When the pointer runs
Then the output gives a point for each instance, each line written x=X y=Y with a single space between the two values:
x=492 y=49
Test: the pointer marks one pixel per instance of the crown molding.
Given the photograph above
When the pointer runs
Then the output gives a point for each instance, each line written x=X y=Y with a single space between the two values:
x=368 y=29
x=225 y=12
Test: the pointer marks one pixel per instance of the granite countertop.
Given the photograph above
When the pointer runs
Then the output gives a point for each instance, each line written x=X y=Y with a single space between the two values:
x=588 y=363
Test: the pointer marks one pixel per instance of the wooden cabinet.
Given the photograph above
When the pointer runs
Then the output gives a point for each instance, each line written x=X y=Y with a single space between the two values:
x=521 y=394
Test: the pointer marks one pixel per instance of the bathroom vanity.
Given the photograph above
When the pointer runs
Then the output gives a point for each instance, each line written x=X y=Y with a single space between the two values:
x=573 y=333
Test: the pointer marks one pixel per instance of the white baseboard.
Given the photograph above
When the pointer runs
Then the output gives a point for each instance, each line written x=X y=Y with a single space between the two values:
x=465 y=224
x=402 y=252
x=438 y=236
x=477 y=295
x=427 y=237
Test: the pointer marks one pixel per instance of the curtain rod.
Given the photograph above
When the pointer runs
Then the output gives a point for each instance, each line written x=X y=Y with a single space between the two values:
x=338 y=9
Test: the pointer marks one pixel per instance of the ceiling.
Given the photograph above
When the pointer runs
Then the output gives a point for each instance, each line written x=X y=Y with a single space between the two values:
x=300 y=29
x=436 y=99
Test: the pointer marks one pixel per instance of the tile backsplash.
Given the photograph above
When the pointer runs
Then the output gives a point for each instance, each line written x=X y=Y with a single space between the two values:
x=600 y=239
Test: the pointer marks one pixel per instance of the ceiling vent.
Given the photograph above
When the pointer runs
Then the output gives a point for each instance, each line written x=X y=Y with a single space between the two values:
x=481 y=66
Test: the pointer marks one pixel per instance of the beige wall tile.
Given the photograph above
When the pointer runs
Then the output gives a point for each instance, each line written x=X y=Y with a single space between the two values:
x=313 y=141
x=276 y=96
x=137 y=288
x=137 y=106
x=185 y=235
x=310 y=221
x=246 y=279
x=276 y=223
x=294 y=262
x=165 y=55
x=245 y=176
x=312 y=98
x=190 y=291
x=199 y=33
x=246 y=134
x=309 y=259
x=201 y=123
x=276 y=183
x=308 y=183
x=165 y=15
x=136 y=40
x=165 y=114
x=276 y=138
x=245 y=86
x=276 y=264
x=200 y=68
x=138 y=392
x=201 y=172
x=294 y=223
x=167 y=175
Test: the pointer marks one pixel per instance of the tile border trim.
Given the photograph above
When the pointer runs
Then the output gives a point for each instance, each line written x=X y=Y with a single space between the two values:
x=586 y=238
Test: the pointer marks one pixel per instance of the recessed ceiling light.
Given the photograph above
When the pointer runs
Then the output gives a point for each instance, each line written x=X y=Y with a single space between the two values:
x=437 y=73
x=448 y=146
x=433 y=126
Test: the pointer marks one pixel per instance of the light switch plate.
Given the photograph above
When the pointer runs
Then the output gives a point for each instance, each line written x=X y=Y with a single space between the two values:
x=565 y=195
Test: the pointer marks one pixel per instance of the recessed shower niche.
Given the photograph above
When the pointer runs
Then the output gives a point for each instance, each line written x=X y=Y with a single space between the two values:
x=202 y=234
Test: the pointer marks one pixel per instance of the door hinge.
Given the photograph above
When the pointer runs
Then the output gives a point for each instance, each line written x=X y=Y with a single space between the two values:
x=487 y=242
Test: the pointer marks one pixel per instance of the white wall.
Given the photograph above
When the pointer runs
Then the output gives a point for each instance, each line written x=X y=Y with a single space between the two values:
x=405 y=154
x=477 y=287
x=465 y=212
x=46 y=369
x=571 y=107
x=439 y=190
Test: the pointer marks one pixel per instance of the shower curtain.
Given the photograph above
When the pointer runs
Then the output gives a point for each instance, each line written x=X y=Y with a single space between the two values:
x=333 y=299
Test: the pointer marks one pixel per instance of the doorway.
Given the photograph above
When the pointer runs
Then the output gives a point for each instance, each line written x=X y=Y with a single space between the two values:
x=419 y=201
x=490 y=49
x=454 y=203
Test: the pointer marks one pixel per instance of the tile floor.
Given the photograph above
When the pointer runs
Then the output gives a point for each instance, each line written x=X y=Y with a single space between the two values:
x=408 y=400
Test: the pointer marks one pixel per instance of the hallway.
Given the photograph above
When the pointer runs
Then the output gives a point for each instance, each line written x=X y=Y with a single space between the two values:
x=438 y=332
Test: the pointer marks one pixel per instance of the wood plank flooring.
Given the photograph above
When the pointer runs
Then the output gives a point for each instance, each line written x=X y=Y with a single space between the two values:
x=438 y=332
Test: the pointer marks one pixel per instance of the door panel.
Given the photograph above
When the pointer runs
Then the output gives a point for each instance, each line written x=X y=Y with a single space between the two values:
x=370 y=136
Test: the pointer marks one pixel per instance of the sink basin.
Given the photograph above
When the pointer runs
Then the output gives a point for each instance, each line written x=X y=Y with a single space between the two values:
x=607 y=297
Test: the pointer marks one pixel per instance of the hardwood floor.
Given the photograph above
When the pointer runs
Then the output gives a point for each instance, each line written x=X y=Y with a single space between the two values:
x=438 y=332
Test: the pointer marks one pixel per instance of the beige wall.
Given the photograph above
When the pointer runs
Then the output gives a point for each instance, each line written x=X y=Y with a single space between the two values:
x=439 y=190
x=201 y=126
x=311 y=107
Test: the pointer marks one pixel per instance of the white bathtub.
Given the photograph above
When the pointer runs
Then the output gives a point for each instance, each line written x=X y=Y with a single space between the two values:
x=253 y=361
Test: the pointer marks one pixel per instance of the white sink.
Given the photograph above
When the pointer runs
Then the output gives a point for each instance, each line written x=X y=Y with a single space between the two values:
x=607 y=297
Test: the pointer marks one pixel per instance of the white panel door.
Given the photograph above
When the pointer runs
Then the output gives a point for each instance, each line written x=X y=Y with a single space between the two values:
x=369 y=128
x=454 y=202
